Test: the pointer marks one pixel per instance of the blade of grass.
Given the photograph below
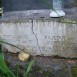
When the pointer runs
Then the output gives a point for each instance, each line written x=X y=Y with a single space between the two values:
x=3 y=42
x=4 y=68
x=29 y=68
x=17 y=70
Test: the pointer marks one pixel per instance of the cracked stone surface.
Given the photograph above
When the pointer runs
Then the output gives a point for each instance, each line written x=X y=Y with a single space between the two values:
x=39 y=34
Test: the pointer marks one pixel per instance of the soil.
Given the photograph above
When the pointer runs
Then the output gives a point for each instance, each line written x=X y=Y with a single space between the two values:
x=44 y=66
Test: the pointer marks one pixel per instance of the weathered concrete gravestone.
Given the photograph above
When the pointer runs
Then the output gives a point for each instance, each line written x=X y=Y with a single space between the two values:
x=41 y=37
x=38 y=36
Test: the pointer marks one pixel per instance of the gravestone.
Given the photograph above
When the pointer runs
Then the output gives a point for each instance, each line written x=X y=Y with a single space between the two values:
x=38 y=35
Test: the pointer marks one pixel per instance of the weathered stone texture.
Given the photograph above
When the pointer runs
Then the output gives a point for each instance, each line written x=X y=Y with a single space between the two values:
x=41 y=37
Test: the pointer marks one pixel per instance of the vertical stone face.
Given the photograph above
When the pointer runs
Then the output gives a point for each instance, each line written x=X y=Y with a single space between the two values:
x=41 y=37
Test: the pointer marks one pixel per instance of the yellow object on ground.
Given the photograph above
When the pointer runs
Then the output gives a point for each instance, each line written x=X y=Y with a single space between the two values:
x=23 y=56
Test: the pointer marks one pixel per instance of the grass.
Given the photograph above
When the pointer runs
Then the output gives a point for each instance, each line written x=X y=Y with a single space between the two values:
x=3 y=42
x=6 y=72
x=4 y=68
x=74 y=71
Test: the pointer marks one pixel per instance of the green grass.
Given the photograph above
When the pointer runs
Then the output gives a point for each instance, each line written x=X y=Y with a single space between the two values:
x=3 y=42
x=6 y=72
x=3 y=67
x=74 y=71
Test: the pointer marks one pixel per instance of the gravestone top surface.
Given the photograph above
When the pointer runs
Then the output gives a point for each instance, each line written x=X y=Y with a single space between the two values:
x=37 y=14
x=19 y=5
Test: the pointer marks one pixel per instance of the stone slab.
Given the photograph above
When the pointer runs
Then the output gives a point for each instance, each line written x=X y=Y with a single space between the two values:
x=41 y=37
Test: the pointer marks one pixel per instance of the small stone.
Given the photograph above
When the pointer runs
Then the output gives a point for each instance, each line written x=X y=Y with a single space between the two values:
x=23 y=56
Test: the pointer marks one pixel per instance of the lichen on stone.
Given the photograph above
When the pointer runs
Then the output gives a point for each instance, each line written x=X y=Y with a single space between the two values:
x=74 y=71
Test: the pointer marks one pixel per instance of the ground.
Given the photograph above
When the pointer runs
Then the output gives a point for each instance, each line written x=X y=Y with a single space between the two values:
x=46 y=66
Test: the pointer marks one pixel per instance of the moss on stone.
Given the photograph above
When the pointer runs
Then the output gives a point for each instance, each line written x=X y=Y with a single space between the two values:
x=36 y=71
x=74 y=71
x=47 y=73
x=37 y=68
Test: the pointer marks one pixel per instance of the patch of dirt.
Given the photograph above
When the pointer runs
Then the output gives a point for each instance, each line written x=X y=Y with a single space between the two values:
x=44 y=66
